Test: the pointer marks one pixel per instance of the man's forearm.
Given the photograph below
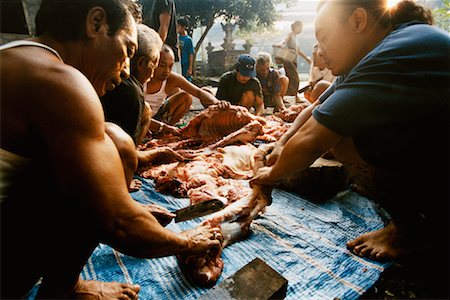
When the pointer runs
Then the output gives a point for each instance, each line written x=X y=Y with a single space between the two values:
x=302 y=150
x=207 y=99
x=141 y=235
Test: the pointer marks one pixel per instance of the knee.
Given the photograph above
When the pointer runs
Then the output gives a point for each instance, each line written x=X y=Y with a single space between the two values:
x=183 y=99
x=247 y=99
x=318 y=89
x=284 y=81
x=124 y=144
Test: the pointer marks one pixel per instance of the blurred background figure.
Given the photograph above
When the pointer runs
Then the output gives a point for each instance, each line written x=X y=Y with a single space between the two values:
x=186 y=48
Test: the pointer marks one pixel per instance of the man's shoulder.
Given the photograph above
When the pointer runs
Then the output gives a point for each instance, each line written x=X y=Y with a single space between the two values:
x=254 y=81
x=228 y=75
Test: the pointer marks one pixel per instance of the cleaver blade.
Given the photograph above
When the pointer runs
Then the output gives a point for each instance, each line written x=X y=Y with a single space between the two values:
x=198 y=210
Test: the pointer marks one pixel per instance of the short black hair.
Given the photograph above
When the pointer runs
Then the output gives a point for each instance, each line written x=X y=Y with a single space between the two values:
x=65 y=19
x=183 y=22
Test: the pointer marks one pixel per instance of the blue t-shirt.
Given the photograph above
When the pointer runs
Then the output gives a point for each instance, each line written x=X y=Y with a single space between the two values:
x=395 y=102
x=187 y=48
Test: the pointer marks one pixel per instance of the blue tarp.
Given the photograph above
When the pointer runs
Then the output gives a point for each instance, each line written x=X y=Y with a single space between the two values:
x=302 y=240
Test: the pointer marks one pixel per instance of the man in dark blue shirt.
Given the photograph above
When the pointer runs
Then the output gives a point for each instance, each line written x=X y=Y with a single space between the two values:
x=386 y=118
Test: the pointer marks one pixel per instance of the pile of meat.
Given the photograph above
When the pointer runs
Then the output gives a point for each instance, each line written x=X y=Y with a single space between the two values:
x=220 y=157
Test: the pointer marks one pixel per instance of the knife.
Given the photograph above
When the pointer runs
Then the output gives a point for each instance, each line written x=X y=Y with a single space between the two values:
x=304 y=89
x=198 y=210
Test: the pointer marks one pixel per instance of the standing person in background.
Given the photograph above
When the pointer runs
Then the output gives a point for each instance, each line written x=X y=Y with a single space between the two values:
x=290 y=67
x=161 y=15
x=187 y=49
x=290 y=41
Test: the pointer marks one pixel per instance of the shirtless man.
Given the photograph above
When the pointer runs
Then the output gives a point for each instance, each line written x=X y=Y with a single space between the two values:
x=378 y=117
x=170 y=94
x=63 y=188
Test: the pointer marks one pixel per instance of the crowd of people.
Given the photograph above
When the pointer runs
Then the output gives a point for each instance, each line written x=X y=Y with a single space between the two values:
x=102 y=80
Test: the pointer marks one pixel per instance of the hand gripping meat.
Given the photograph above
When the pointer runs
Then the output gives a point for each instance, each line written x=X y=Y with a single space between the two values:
x=234 y=221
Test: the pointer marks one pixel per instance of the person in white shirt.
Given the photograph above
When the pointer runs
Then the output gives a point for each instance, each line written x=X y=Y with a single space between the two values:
x=320 y=77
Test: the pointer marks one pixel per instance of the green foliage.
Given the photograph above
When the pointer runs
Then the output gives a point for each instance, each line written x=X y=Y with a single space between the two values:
x=442 y=15
x=245 y=13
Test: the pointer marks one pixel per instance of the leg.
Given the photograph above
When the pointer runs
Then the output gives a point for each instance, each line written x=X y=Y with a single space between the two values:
x=127 y=151
x=278 y=104
x=145 y=123
x=318 y=89
x=46 y=239
x=284 y=83
x=179 y=105
x=383 y=244
x=248 y=99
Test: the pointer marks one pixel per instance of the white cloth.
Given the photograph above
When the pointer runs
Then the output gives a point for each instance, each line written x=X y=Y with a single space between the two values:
x=315 y=73
x=29 y=43
x=155 y=100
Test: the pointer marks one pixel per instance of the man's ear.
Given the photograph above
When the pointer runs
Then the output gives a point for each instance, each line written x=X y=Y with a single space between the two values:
x=142 y=62
x=359 y=19
x=96 y=22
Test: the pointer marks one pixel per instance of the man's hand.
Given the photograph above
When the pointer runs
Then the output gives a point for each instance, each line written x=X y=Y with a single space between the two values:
x=169 y=129
x=162 y=155
x=263 y=177
x=203 y=238
x=224 y=104
x=161 y=214
x=272 y=158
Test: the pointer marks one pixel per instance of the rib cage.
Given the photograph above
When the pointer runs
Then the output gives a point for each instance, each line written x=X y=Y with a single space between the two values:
x=214 y=123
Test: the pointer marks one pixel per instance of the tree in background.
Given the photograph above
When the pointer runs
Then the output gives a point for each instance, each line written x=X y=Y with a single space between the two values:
x=442 y=15
x=246 y=13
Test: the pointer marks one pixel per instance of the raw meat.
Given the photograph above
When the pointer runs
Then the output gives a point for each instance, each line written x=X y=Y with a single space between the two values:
x=234 y=220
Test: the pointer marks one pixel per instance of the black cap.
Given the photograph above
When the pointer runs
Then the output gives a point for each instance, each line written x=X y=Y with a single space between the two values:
x=246 y=65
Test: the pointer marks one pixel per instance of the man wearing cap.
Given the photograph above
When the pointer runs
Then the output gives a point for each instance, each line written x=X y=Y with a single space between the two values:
x=241 y=87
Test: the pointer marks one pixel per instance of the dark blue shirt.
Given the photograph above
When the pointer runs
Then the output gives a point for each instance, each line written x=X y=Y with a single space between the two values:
x=187 y=48
x=395 y=102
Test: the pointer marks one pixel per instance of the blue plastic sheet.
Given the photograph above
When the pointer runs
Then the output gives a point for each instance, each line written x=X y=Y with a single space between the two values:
x=302 y=240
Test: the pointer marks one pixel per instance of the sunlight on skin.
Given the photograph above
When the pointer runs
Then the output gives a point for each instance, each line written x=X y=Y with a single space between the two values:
x=392 y=3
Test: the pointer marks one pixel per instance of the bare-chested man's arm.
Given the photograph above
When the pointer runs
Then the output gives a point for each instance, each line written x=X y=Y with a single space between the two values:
x=124 y=224
x=177 y=81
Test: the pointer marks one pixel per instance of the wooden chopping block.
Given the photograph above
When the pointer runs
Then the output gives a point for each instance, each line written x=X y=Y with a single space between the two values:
x=256 y=280
x=321 y=181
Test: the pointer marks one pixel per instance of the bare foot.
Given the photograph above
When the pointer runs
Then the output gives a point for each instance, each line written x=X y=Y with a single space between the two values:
x=90 y=289
x=135 y=185
x=383 y=244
